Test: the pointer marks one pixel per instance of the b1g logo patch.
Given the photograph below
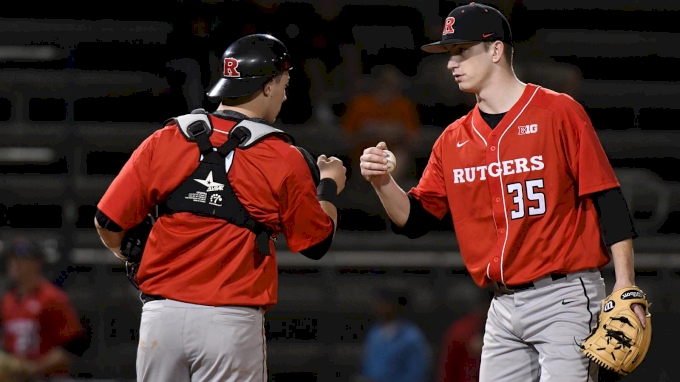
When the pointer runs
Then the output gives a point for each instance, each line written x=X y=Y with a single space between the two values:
x=631 y=294
x=528 y=129
x=230 y=65
x=609 y=306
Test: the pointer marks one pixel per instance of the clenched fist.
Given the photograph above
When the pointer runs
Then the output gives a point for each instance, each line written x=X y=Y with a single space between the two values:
x=332 y=168
x=374 y=164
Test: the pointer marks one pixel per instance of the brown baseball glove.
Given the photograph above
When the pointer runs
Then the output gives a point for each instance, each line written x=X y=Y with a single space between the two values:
x=619 y=343
x=11 y=368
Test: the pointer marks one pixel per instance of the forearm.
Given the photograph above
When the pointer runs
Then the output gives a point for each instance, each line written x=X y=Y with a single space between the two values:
x=112 y=240
x=624 y=269
x=330 y=210
x=394 y=200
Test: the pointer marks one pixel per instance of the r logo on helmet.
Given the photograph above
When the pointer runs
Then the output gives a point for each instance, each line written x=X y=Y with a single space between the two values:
x=230 y=65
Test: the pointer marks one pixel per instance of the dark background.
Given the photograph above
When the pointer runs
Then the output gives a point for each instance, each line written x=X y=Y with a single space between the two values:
x=82 y=84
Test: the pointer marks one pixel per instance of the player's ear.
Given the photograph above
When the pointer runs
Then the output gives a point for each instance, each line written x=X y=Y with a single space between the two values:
x=497 y=49
x=267 y=88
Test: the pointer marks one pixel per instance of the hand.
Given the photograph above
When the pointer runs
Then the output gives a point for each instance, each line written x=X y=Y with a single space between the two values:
x=374 y=165
x=332 y=168
x=637 y=308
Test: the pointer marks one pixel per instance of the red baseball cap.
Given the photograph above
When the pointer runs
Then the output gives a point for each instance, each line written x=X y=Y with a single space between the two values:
x=469 y=23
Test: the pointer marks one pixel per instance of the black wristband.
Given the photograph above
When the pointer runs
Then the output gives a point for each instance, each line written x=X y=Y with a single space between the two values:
x=327 y=190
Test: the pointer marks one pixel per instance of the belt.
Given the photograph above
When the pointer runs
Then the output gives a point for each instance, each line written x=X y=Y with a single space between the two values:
x=149 y=297
x=510 y=289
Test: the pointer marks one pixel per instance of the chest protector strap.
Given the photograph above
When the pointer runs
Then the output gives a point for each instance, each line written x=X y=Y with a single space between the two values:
x=207 y=192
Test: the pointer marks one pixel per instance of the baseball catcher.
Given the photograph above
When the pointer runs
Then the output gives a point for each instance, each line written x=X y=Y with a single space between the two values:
x=619 y=342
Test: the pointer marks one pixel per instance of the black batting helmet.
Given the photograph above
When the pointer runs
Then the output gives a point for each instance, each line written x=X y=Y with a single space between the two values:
x=249 y=63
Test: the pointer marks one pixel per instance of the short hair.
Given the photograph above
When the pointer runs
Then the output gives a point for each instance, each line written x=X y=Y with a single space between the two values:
x=508 y=50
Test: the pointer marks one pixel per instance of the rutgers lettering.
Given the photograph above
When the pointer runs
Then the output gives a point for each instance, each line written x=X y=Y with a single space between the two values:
x=230 y=65
x=448 y=25
x=495 y=169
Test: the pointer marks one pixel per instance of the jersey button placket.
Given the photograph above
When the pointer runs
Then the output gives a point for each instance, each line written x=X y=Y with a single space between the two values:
x=496 y=189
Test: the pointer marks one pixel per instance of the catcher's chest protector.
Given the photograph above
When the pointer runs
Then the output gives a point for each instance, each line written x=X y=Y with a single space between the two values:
x=207 y=192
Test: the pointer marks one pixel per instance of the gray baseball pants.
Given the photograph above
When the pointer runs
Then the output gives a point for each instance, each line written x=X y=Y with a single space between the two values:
x=180 y=342
x=533 y=335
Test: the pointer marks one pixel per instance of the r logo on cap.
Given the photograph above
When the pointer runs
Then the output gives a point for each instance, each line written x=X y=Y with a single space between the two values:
x=448 y=25
x=230 y=65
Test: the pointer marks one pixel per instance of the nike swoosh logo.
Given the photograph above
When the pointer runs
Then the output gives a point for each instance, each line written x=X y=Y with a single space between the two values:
x=567 y=302
x=461 y=144
x=485 y=35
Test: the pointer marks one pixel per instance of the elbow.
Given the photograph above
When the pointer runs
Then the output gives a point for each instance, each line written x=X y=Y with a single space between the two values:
x=313 y=253
x=319 y=250
x=413 y=229
x=418 y=223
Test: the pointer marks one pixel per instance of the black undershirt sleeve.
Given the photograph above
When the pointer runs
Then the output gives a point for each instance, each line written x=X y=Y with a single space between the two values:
x=419 y=221
x=318 y=250
x=615 y=220
x=106 y=222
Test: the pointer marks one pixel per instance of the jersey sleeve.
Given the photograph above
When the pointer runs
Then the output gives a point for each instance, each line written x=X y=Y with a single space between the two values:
x=431 y=189
x=587 y=160
x=60 y=321
x=303 y=221
x=127 y=200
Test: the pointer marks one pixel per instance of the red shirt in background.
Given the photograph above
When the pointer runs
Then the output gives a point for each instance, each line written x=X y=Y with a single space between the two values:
x=34 y=324
x=461 y=350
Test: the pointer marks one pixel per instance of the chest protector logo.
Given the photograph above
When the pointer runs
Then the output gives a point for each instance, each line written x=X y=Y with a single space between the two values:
x=207 y=192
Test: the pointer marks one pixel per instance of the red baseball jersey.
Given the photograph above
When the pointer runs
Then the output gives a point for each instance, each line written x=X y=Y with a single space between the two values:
x=34 y=324
x=518 y=193
x=204 y=260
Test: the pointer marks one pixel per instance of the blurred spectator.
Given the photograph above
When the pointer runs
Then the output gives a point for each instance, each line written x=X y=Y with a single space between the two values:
x=346 y=78
x=190 y=67
x=384 y=114
x=305 y=33
x=461 y=348
x=320 y=93
x=39 y=323
x=328 y=9
x=396 y=349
